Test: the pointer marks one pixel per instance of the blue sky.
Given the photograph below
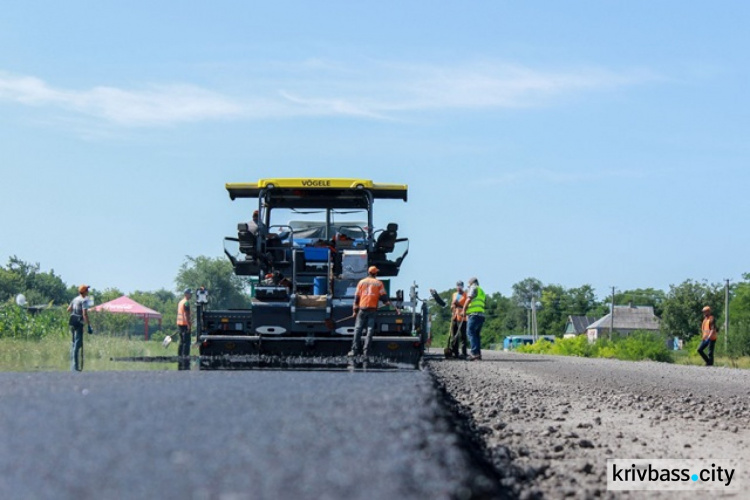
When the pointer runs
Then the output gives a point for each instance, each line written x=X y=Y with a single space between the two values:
x=582 y=142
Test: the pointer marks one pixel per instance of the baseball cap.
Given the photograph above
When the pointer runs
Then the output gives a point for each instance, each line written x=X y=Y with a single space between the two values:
x=373 y=270
x=459 y=283
x=83 y=288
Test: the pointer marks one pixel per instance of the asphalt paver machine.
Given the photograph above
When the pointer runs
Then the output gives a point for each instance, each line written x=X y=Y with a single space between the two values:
x=303 y=254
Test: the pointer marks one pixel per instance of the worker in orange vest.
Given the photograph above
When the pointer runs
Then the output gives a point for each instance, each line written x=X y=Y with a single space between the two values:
x=370 y=291
x=708 y=332
x=458 y=323
x=183 y=323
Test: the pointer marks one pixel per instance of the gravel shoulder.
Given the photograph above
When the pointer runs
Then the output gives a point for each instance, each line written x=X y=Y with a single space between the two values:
x=549 y=423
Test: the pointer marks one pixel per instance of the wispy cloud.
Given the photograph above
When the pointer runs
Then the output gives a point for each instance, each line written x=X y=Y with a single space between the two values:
x=377 y=90
x=488 y=86
x=155 y=105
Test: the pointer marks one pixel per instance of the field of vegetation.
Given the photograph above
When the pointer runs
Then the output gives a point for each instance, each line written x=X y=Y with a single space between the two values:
x=38 y=331
x=40 y=341
x=100 y=352
x=636 y=347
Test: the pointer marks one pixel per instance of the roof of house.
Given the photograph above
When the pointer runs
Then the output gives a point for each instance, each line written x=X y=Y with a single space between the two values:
x=629 y=318
x=580 y=323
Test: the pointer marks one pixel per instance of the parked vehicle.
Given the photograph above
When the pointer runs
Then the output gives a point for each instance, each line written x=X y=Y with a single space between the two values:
x=511 y=342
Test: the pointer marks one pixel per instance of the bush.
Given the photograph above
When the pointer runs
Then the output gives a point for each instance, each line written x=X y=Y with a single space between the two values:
x=643 y=345
x=541 y=346
x=576 y=346
x=634 y=347
x=738 y=341
x=604 y=348
x=116 y=324
x=18 y=323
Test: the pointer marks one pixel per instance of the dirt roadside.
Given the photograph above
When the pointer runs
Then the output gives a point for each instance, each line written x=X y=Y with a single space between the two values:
x=550 y=423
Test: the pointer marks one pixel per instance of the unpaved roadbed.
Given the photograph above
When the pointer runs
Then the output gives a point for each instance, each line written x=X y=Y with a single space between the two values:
x=550 y=423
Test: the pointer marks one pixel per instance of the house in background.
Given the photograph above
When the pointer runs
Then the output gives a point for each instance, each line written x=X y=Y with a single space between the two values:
x=577 y=325
x=627 y=319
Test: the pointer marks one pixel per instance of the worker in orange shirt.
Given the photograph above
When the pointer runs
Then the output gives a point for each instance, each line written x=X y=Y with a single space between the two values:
x=708 y=332
x=370 y=291
x=458 y=323
x=183 y=323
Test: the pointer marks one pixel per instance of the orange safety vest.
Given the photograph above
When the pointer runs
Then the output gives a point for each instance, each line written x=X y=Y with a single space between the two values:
x=369 y=291
x=708 y=331
x=458 y=306
x=182 y=313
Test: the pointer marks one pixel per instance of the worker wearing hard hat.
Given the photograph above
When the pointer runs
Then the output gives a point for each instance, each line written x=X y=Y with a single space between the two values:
x=708 y=334
x=458 y=323
x=474 y=311
x=183 y=323
x=370 y=291
x=79 y=317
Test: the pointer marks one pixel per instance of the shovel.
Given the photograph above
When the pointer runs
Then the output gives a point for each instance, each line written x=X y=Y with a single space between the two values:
x=330 y=324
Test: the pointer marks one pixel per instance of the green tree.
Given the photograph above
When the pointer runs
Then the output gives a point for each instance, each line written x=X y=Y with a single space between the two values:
x=527 y=291
x=524 y=293
x=162 y=301
x=106 y=295
x=582 y=300
x=504 y=315
x=38 y=287
x=11 y=284
x=739 y=319
x=683 y=304
x=226 y=289
x=553 y=313
x=440 y=318
x=643 y=297
x=558 y=303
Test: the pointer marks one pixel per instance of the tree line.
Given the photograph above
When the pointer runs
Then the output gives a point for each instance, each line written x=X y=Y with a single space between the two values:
x=679 y=308
x=48 y=294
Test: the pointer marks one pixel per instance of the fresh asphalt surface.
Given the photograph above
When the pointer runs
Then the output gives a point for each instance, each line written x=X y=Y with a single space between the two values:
x=232 y=435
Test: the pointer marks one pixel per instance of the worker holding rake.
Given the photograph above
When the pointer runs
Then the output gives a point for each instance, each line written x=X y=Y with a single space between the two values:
x=184 y=322
x=458 y=324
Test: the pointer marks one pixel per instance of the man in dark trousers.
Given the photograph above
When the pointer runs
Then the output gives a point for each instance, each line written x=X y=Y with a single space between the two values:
x=474 y=311
x=79 y=317
x=708 y=332
x=458 y=323
x=183 y=323
x=370 y=291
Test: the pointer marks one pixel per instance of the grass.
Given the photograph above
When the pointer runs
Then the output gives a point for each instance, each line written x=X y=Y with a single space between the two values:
x=631 y=348
x=53 y=354
x=685 y=357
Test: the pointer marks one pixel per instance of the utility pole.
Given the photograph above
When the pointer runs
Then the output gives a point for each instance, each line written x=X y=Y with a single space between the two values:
x=528 y=322
x=726 y=317
x=612 y=315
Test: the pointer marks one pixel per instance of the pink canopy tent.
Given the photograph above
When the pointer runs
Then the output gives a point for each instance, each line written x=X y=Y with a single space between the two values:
x=126 y=305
